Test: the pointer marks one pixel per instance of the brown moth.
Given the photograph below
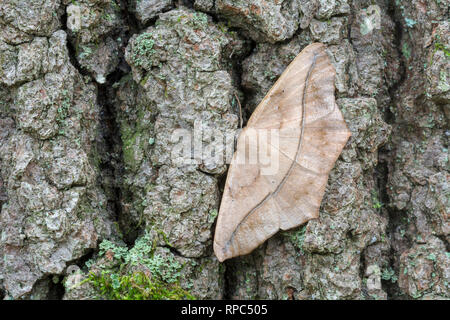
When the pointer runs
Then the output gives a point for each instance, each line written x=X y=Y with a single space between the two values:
x=311 y=131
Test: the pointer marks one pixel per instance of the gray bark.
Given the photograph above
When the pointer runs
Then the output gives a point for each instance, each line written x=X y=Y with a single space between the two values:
x=92 y=91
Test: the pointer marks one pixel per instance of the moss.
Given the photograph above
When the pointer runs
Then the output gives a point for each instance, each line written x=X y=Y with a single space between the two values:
x=136 y=286
x=439 y=46
x=144 y=80
x=160 y=281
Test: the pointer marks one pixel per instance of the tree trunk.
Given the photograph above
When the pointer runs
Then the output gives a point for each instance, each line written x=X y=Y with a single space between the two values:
x=97 y=98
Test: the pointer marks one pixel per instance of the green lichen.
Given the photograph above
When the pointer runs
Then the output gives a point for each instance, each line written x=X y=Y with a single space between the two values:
x=160 y=282
x=443 y=86
x=270 y=75
x=297 y=238
x=410 y=22
x=212 y=215
x=86 y=53
x=143 y=49
x=431 y=257
x=365 y=28
x=200 y=18
x=119 y=252
x=388 y=274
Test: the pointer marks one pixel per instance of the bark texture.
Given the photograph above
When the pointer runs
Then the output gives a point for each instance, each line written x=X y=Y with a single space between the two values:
x=93 y=91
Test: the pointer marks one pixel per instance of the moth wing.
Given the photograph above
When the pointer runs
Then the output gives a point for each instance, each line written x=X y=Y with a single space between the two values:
x=283 y=188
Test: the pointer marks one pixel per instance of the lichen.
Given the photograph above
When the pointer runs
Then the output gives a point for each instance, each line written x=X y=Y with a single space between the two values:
x=138 y=273
x=143 y=49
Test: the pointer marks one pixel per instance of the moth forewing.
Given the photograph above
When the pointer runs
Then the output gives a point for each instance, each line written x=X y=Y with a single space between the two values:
x=281 y=183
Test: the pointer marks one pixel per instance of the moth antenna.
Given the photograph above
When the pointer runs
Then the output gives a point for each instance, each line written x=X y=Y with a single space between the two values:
x=241 y=121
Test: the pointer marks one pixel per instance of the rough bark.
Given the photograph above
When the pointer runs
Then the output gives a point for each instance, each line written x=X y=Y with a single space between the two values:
x=92 y=91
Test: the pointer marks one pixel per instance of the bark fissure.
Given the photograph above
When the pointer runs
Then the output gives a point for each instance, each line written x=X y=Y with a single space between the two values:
x=389 y=70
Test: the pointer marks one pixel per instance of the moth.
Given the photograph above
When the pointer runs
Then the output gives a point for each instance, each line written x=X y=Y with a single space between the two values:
x=310 y=135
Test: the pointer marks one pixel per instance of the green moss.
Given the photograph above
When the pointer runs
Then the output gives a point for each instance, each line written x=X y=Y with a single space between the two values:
x=160 y=282
x=136 y=286
x=270 y=75
x=144 y=80
x=439 y=46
